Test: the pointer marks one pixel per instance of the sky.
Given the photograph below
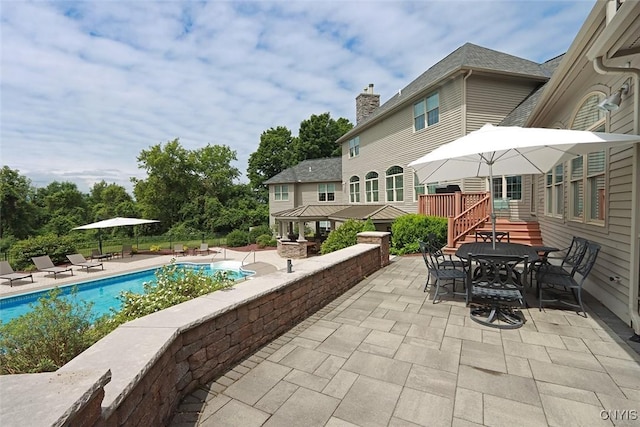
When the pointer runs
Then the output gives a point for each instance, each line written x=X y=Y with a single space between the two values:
x=86 y=86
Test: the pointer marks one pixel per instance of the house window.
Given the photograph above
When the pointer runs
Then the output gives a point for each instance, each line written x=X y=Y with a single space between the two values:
x=591 y=178
x=354 y=147
x=589 y=115
x=554 y=188
x=354 y=189
x=417 y=187
x=395 y=184
x=371 y=187
x=507 y=187
x=326 y=192
x=587 y=172
x=426 y=112
x=514 y=187
x=281 y=193
x=595 y=185
x=576 y=178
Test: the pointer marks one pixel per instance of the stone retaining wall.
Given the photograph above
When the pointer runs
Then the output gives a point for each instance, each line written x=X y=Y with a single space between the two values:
x=157 y=360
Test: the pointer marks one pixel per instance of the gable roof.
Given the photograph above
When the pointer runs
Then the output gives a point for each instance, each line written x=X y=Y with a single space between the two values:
x=315 y=170
x=520 y=114
x=466 y=57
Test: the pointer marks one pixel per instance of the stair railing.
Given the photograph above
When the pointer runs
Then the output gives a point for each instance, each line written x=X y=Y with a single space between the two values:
x=468 y=220
x=247 y=256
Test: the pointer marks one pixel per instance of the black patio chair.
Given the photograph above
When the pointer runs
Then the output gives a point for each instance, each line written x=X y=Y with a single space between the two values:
x=442 y=275
x=558 y=285
x=443 y=260
x=495 y=289
x=487 y=236
x=573 y=256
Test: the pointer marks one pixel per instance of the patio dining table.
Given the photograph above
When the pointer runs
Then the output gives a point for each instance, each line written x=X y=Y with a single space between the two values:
x=486 y=248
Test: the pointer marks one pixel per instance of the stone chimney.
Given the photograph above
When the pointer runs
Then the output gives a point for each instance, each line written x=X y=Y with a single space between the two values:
x=366 y=103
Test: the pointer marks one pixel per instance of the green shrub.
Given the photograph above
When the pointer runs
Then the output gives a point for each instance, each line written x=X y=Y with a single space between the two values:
x=237 y=238
x=345 y=235
x=173 y=284
x=56 y=247
x=257 y=231
x=57 y=329
x=266 y=240
x=408 y=229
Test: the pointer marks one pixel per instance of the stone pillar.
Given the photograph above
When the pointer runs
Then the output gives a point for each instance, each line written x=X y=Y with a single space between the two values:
x=378 y=238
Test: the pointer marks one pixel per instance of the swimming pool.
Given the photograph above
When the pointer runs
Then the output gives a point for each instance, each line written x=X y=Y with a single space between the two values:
x=104 y=292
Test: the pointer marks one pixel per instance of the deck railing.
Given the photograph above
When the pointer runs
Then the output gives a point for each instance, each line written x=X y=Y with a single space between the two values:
x=448 y=204
x=465 y=211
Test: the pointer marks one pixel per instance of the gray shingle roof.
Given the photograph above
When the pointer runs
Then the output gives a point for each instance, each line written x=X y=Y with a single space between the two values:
x=468 y=56
x=520 y=114
x=315 y=170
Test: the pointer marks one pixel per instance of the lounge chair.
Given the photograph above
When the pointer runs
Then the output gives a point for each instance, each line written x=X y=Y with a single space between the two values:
x=204 y=248
x=80 y=261
x=96 y=254
x=7 y=273
x=44 y=264
x=178 y=249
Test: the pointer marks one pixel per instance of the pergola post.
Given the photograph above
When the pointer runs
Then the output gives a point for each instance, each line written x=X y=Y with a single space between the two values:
x=301 y=231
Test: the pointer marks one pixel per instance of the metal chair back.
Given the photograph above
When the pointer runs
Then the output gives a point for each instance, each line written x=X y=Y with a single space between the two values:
x=576 y=252
x=587 y=261
x=487 y=236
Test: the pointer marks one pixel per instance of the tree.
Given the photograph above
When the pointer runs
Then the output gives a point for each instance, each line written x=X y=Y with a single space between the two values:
x=180 y=181
x=318 y=135
x=17 y=210
x=274 y=154
x=64 y=207
x=110 y=200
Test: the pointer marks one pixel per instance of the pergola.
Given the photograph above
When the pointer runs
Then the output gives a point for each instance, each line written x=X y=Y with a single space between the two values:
x=379 y=214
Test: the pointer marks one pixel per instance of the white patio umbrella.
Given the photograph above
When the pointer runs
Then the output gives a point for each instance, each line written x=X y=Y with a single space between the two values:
x=113 y=222
x=510 y=150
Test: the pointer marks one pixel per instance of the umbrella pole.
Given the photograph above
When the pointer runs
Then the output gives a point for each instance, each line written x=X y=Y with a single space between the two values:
x=100 y=240
x=493 y=214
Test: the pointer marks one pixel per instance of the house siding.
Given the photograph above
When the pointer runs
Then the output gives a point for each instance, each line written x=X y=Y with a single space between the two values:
x=615 y=235
x=491 y=99
x=280 y=205
x=307 y=193
x=393 y=141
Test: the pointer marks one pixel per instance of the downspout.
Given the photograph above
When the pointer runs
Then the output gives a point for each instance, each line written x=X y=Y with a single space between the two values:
x=601 y=68
x=464 y=102
x=464 y=108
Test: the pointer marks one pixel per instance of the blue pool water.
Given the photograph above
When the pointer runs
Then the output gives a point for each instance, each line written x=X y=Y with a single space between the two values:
x=102 y=292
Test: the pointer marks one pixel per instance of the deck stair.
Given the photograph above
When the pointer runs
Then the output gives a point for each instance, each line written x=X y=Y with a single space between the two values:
x=525 y=232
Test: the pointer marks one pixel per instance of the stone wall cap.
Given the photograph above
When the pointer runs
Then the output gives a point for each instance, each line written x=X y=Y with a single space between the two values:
x=374 y=233
x=49 y=393
x=129 y=352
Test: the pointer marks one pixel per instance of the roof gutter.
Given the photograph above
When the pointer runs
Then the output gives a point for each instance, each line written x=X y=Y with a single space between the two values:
x=634 y=267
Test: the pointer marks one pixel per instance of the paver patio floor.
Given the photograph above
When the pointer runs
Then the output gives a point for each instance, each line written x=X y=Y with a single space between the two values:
x=384 y=355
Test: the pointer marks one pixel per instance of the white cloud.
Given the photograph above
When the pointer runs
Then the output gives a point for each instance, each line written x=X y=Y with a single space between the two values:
x=86 y=86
